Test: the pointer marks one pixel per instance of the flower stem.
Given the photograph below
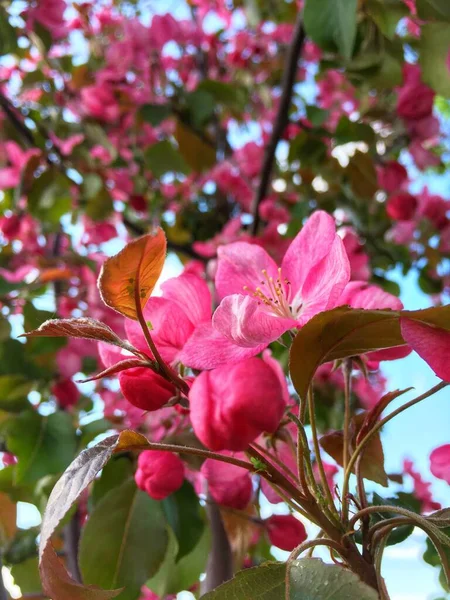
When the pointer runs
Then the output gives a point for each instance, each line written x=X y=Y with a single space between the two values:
x=323 y=478
x=169 y=374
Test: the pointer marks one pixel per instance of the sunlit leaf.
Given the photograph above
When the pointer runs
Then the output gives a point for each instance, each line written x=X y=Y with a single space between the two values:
x=137 y=266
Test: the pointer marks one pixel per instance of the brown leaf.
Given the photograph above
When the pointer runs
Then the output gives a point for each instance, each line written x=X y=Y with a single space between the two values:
x=122 y=365
x=196 y=151
x=372 y=461
x=83 y=327
x=137 y=266
x=56 y=582
x=8 y=514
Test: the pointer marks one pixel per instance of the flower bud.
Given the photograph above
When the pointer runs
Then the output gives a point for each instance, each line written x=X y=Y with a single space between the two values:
x=232 y=405
x=159 y=473
x=228 y=485
x=65 y=392
x=145 y=389
x=285 y=531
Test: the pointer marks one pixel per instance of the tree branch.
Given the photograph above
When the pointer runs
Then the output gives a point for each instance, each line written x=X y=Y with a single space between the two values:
x=281 y=120
x=219 y=567
x=22 y=129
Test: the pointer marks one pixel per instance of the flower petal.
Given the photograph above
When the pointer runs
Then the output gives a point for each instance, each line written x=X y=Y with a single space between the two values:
x=243 y=320
x=325 y=282
x=431 y=343
x=191 y=294
x=241 y=264
x=308 y=248
x=171 y=328
x=207 y=348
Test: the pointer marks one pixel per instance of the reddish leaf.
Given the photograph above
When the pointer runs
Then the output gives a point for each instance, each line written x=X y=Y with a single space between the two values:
x=345 y=331
x=372 y=462
x=138 y=265
x=122 y=365
x=56 y=581
x=83 y=327
x=340 y=333
x=375 y=413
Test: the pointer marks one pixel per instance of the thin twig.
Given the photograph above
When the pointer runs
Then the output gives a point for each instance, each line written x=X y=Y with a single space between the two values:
x=281 y=120
x=379 y=425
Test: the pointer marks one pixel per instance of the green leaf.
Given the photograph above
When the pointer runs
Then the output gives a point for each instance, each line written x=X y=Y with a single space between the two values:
x=362 y=175
x=14 y=390
x=431 y=555
x=23 y=547
x=433 y=10
x=352 y=131
x=8 y=35
x=266 y=582
x=162 y=158
x=201 y=105
x=187 y=571
x=47 y=447
x=232 y=96
x=155 y=113
x=114 y=474
x=160 y=581
x=182 y=510
x=174 y=577
x=316 y=116
x=387 y=14
x=50 y=196
x=124 y=541
x=332 y=25
x=26 y=576
x=91 y=430
x=434 y=50
x=312 y=579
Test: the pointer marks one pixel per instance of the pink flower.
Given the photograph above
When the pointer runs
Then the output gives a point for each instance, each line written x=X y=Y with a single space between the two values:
x=431 y=343
x=10 y=176
x=422 y=156
x=285 y=531
x=415 y=99
x=440 y=462
x=66 y=146
x=231 y=406
x=284 y=453
x=228 y=485
x=392 y=176
x=159 y=473
x=401 y=206
x=261 y=302
x=145 y=389
x=185 y=304
x=66 y=392
x=99 y=101
x=50 y=14
x=358 y=259
x=421 y=488
x=434 y=208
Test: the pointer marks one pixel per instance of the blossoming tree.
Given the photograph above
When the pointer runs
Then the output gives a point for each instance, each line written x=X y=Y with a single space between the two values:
x=282 y=160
